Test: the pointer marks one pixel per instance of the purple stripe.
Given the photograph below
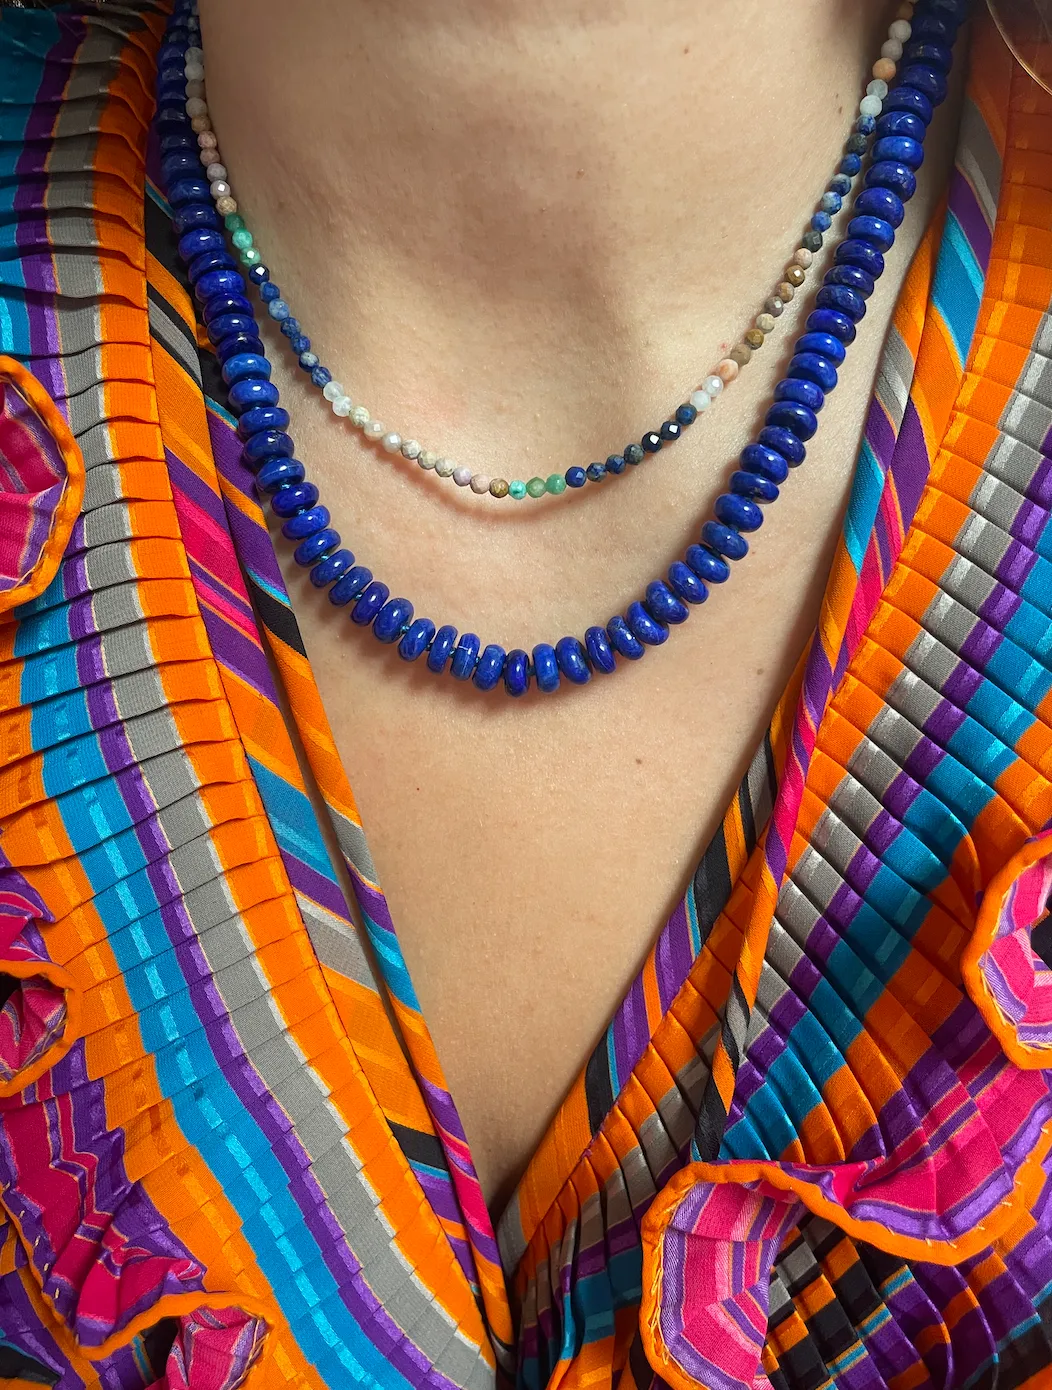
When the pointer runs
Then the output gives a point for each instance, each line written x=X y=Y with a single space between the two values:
x=630 y=1031
x=968 y=211
x=909 y=464
x=252 y=541
x=238 y=654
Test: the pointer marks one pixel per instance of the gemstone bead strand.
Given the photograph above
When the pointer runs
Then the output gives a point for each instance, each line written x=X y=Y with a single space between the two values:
x=920 y=84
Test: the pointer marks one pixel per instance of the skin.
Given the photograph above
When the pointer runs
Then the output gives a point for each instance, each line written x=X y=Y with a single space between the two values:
x=521 y=232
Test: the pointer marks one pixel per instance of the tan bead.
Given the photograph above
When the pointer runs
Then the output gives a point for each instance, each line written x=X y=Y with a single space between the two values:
x=498 y=488
x=200 y=123
x=727 y=371
x=773 y=306
x=795 y=275
x=753 y=338
x=803 y=258
x=740 y=353
x=786 y=291
x=884 y=68
x=225 y=206
x=765 y=323
x=904 y=11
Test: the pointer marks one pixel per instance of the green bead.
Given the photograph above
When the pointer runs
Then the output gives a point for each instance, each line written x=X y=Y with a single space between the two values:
x=556 y=483
x=535 y=487
x=233 y=222
x=242 y=238
x=251 y=256
x=517 y=489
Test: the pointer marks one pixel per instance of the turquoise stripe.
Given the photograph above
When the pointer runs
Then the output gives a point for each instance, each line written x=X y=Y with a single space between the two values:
x=957 y=286
x=389 y=956
x=292 y=816
x=862 y=507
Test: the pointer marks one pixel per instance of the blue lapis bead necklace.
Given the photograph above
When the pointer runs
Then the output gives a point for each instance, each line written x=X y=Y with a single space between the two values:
x=920 y=51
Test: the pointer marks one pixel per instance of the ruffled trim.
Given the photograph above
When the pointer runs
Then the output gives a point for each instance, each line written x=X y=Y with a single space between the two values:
x=41 y=485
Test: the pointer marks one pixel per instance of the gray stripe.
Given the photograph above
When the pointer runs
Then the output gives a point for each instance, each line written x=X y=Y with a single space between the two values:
x=895 y=376
x=979 y=159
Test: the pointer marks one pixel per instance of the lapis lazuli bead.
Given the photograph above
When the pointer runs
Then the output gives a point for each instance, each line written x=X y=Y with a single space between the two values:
x=180 y=164
x=784 y=442
x=821 y=221
x=850 y=165
x=304 y=524
x=809 y=366
x=899 y=178
x=415 y=641
x=616 y=464
x=754 y=485
x=686 y=414
x=804 y=392
x=669 y=430
x=755 y=458
x=226 y=324
x=300 y=345
x=861 y=254
x=237 y=343
x=832 y=203
x=663 y=605
x=651 y=442
x=909 y=99
x=901 y=123
x=573 y=660
x=311 y=550
x=465 y=656
x=264 y=445
x=685 y=584
x=392 y=620
x=216 y=282
x=841 y=185
x=829 y=323
x=643 y=627
x=725 y=540
x=249 y=392
x=320 y=376
x=576 y=476
x=825 y=344
x=546 y=668
x=845 y=301
x=865 y=125
x=268 y=292
x=369 y=604
x=294 y=498
x=623 y=640
x=327 y=571
x=900 y=149
x=600 y=652
x=350 y=585
x=517 y=673
x=738 y=512
x=262 y=417
x=277 y=472
x=596 y=472
x=225 y=304
x=199 y=240
x=258 y=273
x=709 y=566
x=185 y=191
x=797 y=419
x=875 y=230
x=634 y=454
x=278 y=310
x=443 y=642
x=245 y=364
x=308 y=361
x=853 y=277
x=490 y=667
x=926 y=80
x=937 y=28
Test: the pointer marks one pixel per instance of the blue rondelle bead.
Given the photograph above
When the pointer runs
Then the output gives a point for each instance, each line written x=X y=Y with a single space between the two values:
x=825 y=344
x=195 y=215
x=225 y=304
x=875 y=230
x=899 y=178
x=840 y=184
x=738 y=512
x=269 y=292
x=369 y=604
x=311 y=550
x=686 y=414
x=573 y=660
x=616 y=464
x=596 y=472
x=218 y=282
x=265 y=445
x=277 y=472
x=865 y=125
x=199 y=240
x=353 y=583
x=237 y=343
x=185 y=191
x=245 y=364
x=465 y=656
x=899 y=149
x=908 y=99
x=308 y=360
x=642 y=626
x=392 y=620
x=797 y=419
x=754 y=486
x=853 y=277
x=685 y=584
x=926 y=80
x=223 y=325
x=327 y=571
x=832 y=203
x=937 y=28
x=902 y=123
x=258 y=273
x=178 y=164
x=821 y=221
x=279 y=310
x=861 y=254
x=415 y=642
x=623 y=640
x=783 y=442
x=669 y=430
x=320 y=376
x=829 y=323
x=600 y=652
x=490 y=667
x=850 y=165
x=304 y=524
x=443 y=642
x=845 y=301
x=576 y=476
x=170 y=144
x=262 y=417
x=294 y=498
x=517 y=673
x=810 y=366
x=651 y=442
x=663 y=605
x=707 y=564
x=249 y=392
x=755 y=458
x=801 y=390
x=546 y=668
x=724 y=540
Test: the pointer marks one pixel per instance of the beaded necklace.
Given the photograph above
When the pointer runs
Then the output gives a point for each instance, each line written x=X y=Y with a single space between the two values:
x=920 y=84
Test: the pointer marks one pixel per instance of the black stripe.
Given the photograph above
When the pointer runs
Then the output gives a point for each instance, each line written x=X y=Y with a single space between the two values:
x=161 y=241
x=419 y=1148
x=772 y=775
x=712 y=883
x=171 y=317
x=711 y=1122
x=598 y=1091
x=212 y=383
x=275 y=617
x=642 y=1371
x=748 y=819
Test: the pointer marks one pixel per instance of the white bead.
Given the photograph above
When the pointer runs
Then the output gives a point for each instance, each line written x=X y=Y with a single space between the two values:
x=891 y=48
x=713 y=385
x=219 y=188
x=392 y=442
x=194 y=72
x=342 y=406
x=480 y=483
x=332 y=390
x=411 y=449
x=195 y=89
x=374 y=429
x=444 y=467
x=428 y=458
x=901 y=29
x=877 y=88
x=208 y=157
x=196 y=106
x=360 y=416
x=701 y=400
x=194 y=55
x=870 y=106
x=215 y=171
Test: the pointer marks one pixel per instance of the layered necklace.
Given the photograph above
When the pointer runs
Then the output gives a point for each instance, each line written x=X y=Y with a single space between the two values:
x=885 y=147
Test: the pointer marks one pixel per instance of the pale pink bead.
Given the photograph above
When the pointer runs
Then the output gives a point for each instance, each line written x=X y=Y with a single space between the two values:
x=803 y=257
x=462 y=476
x=726 y=370
x=480 y=483
x=215 y=170
x=207 y=140
x=209 y=155
x=225 y=206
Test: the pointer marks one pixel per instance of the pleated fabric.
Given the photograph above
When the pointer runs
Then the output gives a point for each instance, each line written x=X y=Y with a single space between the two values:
x=810 y=1150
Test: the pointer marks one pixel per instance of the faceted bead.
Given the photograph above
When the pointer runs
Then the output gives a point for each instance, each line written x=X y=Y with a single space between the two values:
x=391 y=442
x=319 y=375
x=480 y=484
x=870 y=106
x=663 y=605
x=830 y=323
x=327 y=571
x=900 y=149
x=842 y=299
x=765 y=323
x=841 y=184
x=634 y=453
x=392 y=619
x=767 y=462
x=461 y=475
x=442 y=644
x=311 y=550
x=642 y=626
x=294 y=498
x=727 y=370
x=809 y=366
x=669 y=430
x=857 y=144
x=572 y=660
x=753 y=338
x=783 y=442
x=851 y=276
x=304 y=524
x=850 y=165
x=685 y=414
x=875 y=230
x=411 y=449
x=651 y=442
x=741 y=353
x=350 y=585
x=616 y=465
x=555 y=483
x=801 y=391
x=600 y=652
x=370 y=603
x=465 y=656
x=803 y=257
x=700 y=400
x=517 y=673
x=738 y=512
x=535 y=487
x=755 y=486
x=709 y=566
x=724 y=540
x=832 y=203
x=445 y=468
x=866 y=125
x=795 y=275
x=490 y=667
x=713 y=385
x=275 y=473
x=795 y=418
x=596 y=472
x=820 y=222
x=546 y=668
x=774 y=306
x=862 y=254
x=685 y=584
x=623 y=640
x=575 y=476
x=498 y=487
x=414 y=642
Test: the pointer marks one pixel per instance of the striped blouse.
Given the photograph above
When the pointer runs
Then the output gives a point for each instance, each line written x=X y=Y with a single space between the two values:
x=811 y=1149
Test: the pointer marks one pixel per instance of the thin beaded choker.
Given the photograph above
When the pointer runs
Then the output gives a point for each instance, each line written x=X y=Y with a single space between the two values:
x=920 y=85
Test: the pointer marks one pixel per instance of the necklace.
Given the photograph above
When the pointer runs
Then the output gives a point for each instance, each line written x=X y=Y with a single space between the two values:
x=790 y=422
